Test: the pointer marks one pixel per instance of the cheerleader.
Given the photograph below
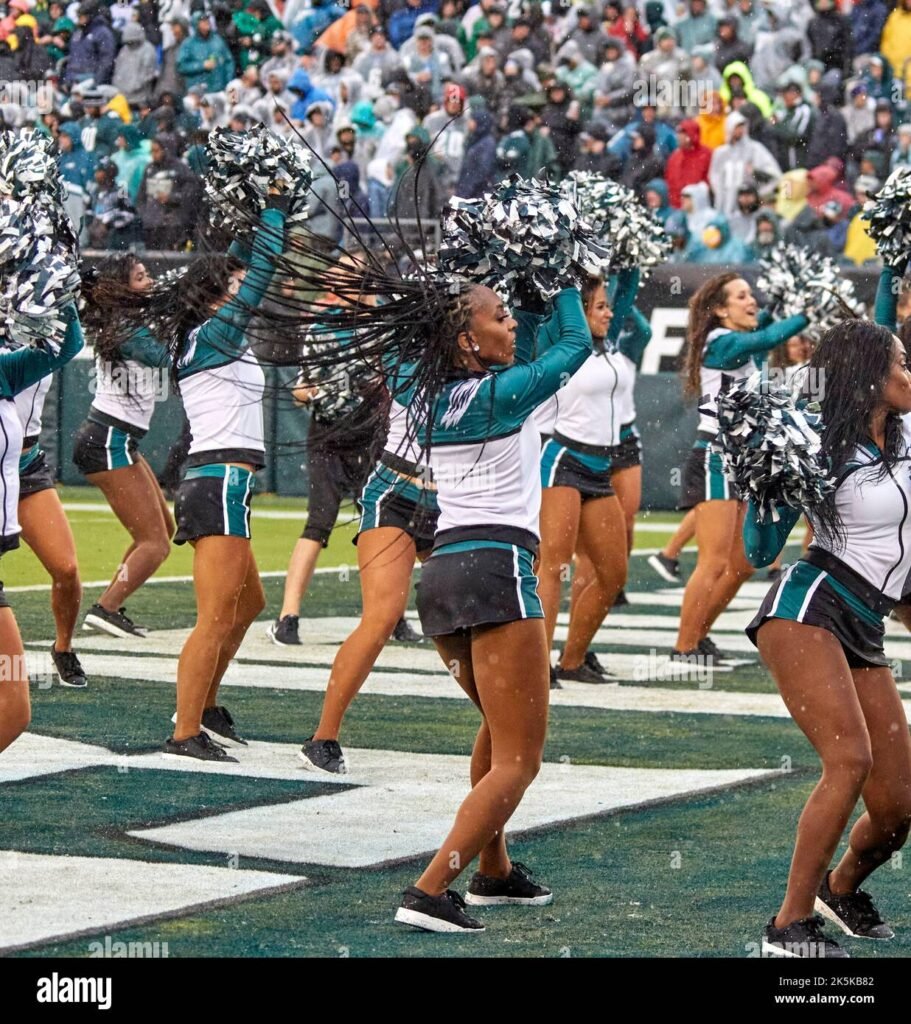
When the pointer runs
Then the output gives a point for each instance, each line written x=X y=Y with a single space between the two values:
x=820 y=631
x=478 y=597
x=46 y=530
x=20 y=370
x=398 y=521
x=341 y=452
x=222 y=387
x=724 y=333
x=130 y=376
x=579 y=508
x=625 y=459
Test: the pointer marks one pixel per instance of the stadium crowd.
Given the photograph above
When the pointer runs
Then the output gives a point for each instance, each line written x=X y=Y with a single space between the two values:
x=740 y=122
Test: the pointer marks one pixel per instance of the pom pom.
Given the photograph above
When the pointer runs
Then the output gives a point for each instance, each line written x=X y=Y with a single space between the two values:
x=797 y=280
x=626 y=225
x=523 y=231
x=38 y=244
x=243 y=166
x=771 y=448
x=889 y=214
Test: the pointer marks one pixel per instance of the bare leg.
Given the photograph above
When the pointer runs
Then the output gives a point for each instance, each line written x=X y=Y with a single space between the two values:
x=47 y=532
x=887 y=791
x=136 y=500
x=627 y=484
x=385 y=558
x=716 y=522
x=250 y=603
x=15 y=709
x=602 y=528
x=737 y=571
x=561 y=509
x=220 y=570
x=300 y=572
x=682 y=536
x=456 y=652
x=509 y=665
x=817 y=686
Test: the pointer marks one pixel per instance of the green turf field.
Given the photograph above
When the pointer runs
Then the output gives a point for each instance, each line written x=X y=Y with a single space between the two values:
x=663 y=817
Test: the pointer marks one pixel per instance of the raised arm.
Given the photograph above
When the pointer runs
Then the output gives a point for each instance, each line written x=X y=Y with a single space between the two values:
x=520 y=389
x=623 y=302
x=225 y=331
x=634 y=340
x=885 y=308
x=728 y=351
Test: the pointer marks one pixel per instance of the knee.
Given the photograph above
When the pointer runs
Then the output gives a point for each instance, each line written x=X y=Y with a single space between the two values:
x=555 y=566
x=853 y=763
x=250 y=608
x=67 y=575
x=159 y=548
x=742 y=572
x=524 y=769
x=713 y=568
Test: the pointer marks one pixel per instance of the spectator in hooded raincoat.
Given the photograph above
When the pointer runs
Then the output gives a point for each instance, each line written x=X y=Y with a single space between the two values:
x=688 y=163
x=204 y=58
x=136 y=66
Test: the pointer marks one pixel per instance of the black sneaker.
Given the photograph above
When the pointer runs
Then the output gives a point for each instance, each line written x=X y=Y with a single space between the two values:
x=709 y=649
x=667 y=568
x=284 y=631
x=202 y=747
x=404 y=633
x=69 y=671
x=324 y=756
x=116 y=623
x=443 y=913
x=801 y=939
x=853 y=912
x=582 y=674
x=591 y=660
x=620 y=600
x=555 y=683
x=518 y=888
x=218 y=723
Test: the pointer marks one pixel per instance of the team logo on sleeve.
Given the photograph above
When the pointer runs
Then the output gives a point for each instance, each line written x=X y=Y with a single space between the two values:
x=459 y=400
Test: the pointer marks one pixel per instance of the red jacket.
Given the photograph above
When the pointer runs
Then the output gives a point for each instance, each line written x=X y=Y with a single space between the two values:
x=687 y=166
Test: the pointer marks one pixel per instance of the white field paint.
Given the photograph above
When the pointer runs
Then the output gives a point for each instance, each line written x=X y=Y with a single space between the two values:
x=49 y=897
x=404 y=804
x=400 y=806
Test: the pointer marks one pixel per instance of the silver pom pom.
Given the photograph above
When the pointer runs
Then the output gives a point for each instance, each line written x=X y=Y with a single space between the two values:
x=635 y=236
x=38 y=245
x=889 y=214
x=243 y=166
x=771 y=448
x=523 y=232
x=797 y=281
